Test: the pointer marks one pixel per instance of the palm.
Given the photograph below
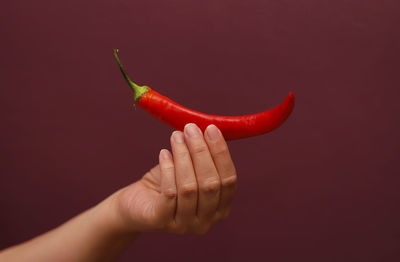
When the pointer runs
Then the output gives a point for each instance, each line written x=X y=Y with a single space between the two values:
x=142 y=200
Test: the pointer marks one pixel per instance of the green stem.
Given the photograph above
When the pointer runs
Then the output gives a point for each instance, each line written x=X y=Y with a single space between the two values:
x=138 y=90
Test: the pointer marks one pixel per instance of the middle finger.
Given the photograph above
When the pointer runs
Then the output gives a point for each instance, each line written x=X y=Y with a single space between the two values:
x=206 y=172
x=185 y=181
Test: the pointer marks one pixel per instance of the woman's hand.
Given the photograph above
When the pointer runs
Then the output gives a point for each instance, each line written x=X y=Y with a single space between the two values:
x=188 y=191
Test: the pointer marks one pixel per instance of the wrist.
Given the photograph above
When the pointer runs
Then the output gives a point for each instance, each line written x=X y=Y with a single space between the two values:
x=112 y=218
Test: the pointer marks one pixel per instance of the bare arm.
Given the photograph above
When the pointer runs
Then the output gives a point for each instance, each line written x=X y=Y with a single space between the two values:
x=95 y=235
x=189 y=191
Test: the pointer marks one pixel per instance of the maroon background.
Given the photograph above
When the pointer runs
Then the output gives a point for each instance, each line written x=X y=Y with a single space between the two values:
x=323 y=187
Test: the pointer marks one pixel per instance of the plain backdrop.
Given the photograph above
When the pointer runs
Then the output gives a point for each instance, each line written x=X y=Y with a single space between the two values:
x=322 y=187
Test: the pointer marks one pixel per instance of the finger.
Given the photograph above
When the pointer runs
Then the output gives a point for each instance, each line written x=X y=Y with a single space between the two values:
x=205 y=170
x=185 y=181
x=224 y=164
x=167 y=198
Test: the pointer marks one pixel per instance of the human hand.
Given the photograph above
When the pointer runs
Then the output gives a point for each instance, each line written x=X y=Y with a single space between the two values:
x=188 y=191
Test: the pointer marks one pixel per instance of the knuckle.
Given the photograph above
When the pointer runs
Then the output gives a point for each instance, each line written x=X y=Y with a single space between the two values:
x=221 y=150
x=180 y=230
x=170 y=228
x=202 y=230
x=188 y=190
x=182 y=154
x=211 y=186
x=225 y=214
x=155 y=169
x=229 y=181
x=168 y=167
x=177 y=228
x=170 y=193
x=221 y=215
x=199 y=149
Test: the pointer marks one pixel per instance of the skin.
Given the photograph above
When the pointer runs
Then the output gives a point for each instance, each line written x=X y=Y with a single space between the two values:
x=189 y=191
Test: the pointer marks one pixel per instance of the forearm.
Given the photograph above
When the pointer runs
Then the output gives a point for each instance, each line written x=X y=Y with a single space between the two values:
x=95 y=235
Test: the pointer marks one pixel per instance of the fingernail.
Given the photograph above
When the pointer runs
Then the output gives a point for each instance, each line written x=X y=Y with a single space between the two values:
x=178 y=136
x=191 y=130
x=213 y=133
x=164 y=153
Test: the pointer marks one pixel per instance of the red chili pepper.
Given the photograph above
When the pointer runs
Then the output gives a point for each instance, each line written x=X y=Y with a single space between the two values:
x=232 y=127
